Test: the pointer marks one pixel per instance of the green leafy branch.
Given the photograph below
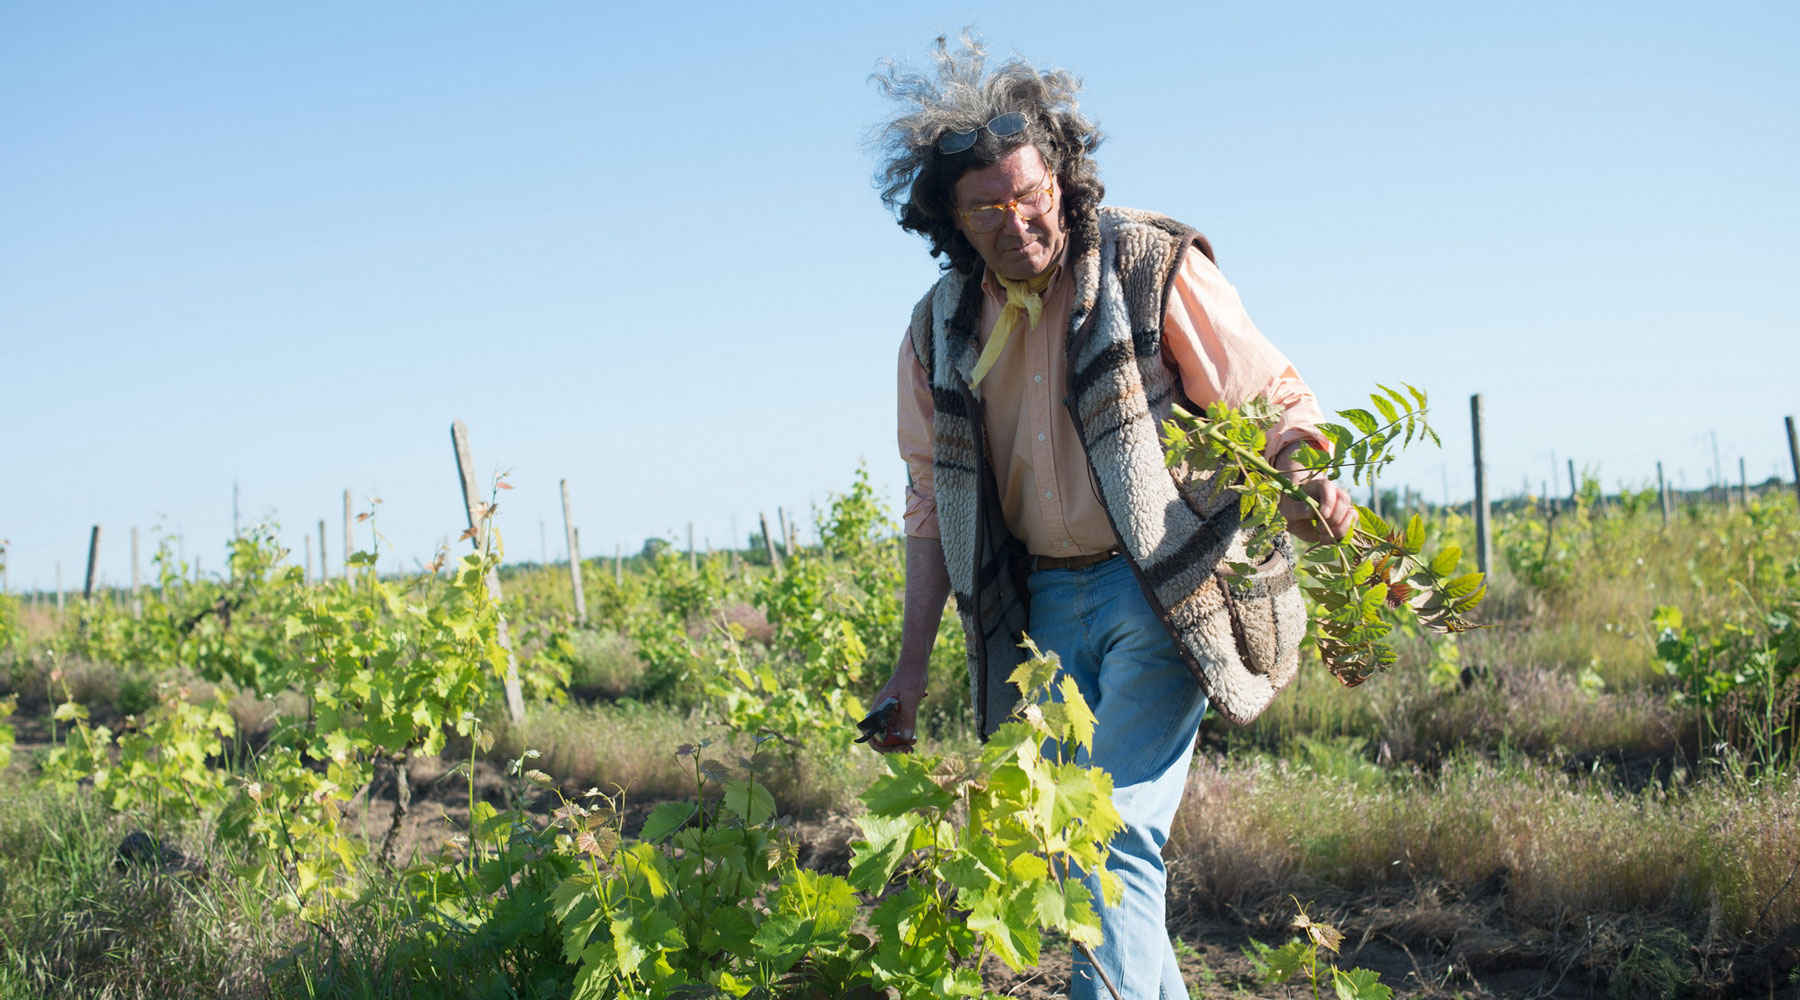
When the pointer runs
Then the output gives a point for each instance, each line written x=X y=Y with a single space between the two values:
x=1379 y=570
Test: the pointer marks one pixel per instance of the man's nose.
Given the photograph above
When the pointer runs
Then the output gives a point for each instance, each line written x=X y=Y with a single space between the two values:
x=1016 y=224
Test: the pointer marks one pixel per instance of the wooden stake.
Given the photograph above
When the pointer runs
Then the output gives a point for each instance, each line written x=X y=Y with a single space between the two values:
x=137 y=600
x=87 y=589
x=693 y=560
x=1662 y=493
x=349 y=532
x=769 y=542
x=1574 y=490
x=324 y=574
x=574 y=544
x=465 y=472
x=1481 y=500
x=787 y=537
x=306 y=564
x=1794 y=455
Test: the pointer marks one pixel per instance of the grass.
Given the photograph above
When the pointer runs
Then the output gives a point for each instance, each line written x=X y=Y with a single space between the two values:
x=632 y=746
x=1717 y=850
x=76 y=922
x=603 y=664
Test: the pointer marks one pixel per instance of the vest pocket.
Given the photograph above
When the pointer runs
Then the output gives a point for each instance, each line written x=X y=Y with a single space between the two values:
x=1266 y=614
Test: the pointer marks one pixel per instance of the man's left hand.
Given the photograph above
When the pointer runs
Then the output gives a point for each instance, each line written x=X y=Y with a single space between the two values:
x=1336 y=514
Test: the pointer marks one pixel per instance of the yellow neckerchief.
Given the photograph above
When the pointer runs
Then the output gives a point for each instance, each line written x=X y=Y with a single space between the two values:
x=1023 y=298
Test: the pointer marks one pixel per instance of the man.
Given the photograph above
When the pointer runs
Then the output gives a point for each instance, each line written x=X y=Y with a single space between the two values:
x=1033 y=381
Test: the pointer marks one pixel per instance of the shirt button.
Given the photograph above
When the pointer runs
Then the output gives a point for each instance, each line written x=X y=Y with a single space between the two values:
x=1040 y=435
x=1049 y=494
x=1037 y=378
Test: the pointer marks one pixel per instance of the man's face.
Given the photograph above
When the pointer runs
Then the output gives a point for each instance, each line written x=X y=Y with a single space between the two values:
x=1020 y=248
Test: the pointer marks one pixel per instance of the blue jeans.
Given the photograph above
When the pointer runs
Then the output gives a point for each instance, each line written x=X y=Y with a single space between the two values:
x=1149 y=709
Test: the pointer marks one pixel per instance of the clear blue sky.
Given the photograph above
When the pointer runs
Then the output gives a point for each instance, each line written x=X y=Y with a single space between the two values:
x=637 y=245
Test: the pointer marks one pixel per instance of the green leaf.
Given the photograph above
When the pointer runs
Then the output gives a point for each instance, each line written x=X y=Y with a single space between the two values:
x=1463 y=585
x=1399 y=400
x=1359 y=984
x=1444 y=563
x=665 y=819
x=1013 y=937
x=1037 y=670
x=1388 y=413
x=886 y=843
x=1372 y=600
x=750 y=800
x=1415 y=535
x=1080 y=718
x=1278 y=965
x=1363 y=420
x=907 y=789
x=1372 y=523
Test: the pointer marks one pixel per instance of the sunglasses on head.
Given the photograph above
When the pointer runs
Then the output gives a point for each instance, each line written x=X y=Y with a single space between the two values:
x=1000 y=126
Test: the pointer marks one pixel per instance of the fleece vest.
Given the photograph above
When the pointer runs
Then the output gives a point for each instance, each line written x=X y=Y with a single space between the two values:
x=1240 y=637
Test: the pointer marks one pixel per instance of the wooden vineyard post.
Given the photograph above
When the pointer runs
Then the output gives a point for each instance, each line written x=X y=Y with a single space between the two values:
x=574 y=557
x=1481 y=501
x=1662 y=493
x=1574 y=488
x=137 y=594
x=324 y=575
x=349 y=550
x=769 y=542
x=306 y=563
x=693 y=560
x=478 y=528
x=1794 y=456
x=87 y=588
x=236 y=533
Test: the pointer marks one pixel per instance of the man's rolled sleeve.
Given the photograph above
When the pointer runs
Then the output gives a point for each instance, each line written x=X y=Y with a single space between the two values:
x=1221 y=356
x=915 y=444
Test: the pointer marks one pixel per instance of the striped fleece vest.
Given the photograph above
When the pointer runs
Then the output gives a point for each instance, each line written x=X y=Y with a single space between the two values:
x=1240 y=640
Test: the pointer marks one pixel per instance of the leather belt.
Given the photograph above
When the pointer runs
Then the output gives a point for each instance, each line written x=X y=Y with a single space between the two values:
x=1072 y=562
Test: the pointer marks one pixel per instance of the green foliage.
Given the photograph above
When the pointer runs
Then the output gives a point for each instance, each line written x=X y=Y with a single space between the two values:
x=1741 y=677
x=1380 y=573
x=7 y=707
x=836 y=613
x=1300 y=956
x=987 y=844
x=708 y=895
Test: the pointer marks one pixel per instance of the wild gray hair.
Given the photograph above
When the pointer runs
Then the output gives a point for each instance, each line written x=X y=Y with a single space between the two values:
x=918 y=182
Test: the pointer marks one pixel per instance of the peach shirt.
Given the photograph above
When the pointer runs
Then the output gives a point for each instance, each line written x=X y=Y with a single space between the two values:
x=1046 y=490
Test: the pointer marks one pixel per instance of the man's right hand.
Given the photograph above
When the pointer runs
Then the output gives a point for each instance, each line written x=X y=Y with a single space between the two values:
x=907 y=687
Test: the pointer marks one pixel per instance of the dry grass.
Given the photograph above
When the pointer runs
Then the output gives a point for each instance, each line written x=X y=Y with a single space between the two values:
x=633 y=747
x=1719 y=852
x=602 y=664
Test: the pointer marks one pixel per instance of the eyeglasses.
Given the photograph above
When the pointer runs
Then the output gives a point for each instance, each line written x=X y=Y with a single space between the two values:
x=987 y=218
x=1000 y=126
